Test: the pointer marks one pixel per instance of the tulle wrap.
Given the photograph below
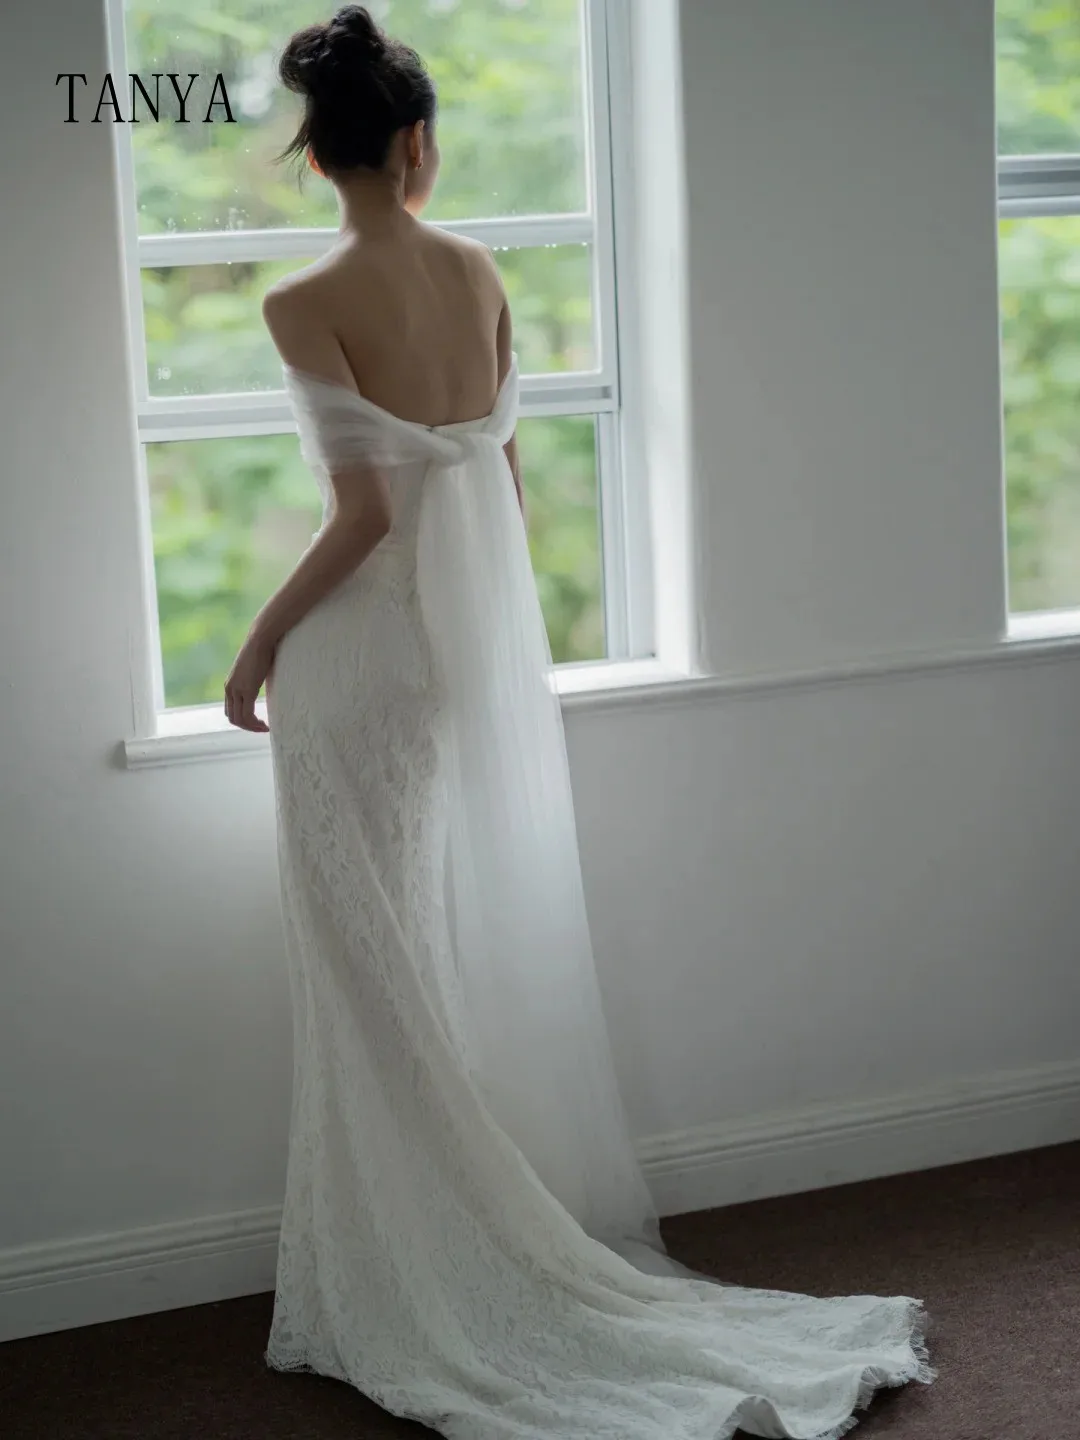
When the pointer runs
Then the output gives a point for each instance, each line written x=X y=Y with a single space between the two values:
x=539 y=1048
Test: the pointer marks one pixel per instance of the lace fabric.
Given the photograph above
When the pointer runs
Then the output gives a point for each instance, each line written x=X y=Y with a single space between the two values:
x=467 y=1236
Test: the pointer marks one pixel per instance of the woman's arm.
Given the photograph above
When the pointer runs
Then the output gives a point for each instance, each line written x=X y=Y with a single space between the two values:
x=504 y=346
x=360 y=517
x=510 y=450
x=361 y=512
x=347 y=540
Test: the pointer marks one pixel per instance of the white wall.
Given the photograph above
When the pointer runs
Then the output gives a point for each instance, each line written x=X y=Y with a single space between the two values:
x=816 y=893
x=841 y=167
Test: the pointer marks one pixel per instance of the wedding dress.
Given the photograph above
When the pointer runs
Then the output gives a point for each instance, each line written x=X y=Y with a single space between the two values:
x=466 y=1234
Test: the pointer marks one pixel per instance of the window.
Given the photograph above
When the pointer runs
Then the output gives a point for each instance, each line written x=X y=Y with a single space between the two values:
x=1038 y=118
x=210 y=220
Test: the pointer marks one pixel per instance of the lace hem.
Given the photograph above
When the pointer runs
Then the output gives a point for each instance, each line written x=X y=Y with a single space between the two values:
x=914 y=1327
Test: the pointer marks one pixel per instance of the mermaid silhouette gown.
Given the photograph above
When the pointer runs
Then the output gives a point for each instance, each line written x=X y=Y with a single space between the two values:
x=466 y=1235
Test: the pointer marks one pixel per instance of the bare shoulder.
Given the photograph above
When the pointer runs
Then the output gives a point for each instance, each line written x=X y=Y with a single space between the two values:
x=296 y=314
x=286 y=303
x=290 y=289
x=474 y=256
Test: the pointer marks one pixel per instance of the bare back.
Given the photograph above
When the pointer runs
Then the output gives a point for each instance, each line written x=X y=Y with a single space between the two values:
x=414 y=319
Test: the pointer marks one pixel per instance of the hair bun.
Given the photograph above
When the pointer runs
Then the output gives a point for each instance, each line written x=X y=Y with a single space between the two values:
x=349 y=43
x=301 y=60
x=322 y=59
x=354 y=25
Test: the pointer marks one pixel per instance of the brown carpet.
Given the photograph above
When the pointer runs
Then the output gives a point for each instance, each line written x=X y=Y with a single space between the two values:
x=992 y=1246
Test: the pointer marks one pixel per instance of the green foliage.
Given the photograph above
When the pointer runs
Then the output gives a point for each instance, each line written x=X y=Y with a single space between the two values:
x=511 y=116
x=232 y=516
x=1040 y=339
x=561 y=502
x=1038 y=110
x=1038 y=77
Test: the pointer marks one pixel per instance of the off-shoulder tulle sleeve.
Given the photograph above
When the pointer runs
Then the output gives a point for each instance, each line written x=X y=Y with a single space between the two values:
x=337 y=429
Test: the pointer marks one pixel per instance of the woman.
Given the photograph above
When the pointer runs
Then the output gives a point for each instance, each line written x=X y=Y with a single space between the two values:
x=466 y=1235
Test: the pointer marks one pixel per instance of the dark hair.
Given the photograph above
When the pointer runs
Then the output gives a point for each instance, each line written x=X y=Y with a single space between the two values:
x=360 y=87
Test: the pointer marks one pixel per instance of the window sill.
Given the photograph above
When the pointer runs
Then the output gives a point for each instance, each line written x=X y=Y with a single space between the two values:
x=201 y=732
x=1045 y=625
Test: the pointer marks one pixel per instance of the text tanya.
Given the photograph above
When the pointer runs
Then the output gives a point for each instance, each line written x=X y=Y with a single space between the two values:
x=107 y=99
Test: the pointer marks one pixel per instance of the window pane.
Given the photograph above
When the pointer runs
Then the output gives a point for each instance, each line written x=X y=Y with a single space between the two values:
x=1040 y=328
x=559 y=473
x=205 y=332
x=204 y=328
x=231 y=518
x=511 y=126
x=550 y=294
x=1038 y=77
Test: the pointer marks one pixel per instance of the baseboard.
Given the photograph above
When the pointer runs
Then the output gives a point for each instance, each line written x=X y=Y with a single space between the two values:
x=62 y=1284
x=59 y=1285
x=839 y=1142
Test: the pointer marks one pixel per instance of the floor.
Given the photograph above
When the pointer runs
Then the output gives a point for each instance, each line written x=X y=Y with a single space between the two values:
x=991 y=1246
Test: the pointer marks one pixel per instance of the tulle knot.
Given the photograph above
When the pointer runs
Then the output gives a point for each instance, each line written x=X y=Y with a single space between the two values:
x=452 y=451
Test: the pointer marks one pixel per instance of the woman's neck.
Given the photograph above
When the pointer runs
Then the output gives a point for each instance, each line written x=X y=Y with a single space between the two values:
x=372 y=206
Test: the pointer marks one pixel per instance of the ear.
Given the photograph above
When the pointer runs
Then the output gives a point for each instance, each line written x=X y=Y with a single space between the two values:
x=416 y=145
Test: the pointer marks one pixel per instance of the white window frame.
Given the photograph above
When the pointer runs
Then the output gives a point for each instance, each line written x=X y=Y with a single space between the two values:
x=1031 y=186
x=607 y=226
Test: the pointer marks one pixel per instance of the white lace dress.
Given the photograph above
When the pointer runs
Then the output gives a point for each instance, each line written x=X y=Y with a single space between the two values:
x=423 y=1259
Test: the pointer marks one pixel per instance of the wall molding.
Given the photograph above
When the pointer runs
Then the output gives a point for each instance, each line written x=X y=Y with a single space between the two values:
x=841 y=1142
x=58 y=1285
x=664 y=690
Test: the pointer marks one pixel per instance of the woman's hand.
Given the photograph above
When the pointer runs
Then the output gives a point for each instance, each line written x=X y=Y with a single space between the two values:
x=250 y=668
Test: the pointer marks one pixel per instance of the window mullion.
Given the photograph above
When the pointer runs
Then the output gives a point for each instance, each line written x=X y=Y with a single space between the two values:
x=611 y=523
x=598 y=150
x=1039 y=185
x=622 y=452
x=116 y=42
x=1018 y=207
x=268 y=412
x=223 y=247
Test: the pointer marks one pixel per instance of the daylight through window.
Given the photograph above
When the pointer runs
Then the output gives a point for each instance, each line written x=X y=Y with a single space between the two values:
x=1038 y=114
x=211 y=221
